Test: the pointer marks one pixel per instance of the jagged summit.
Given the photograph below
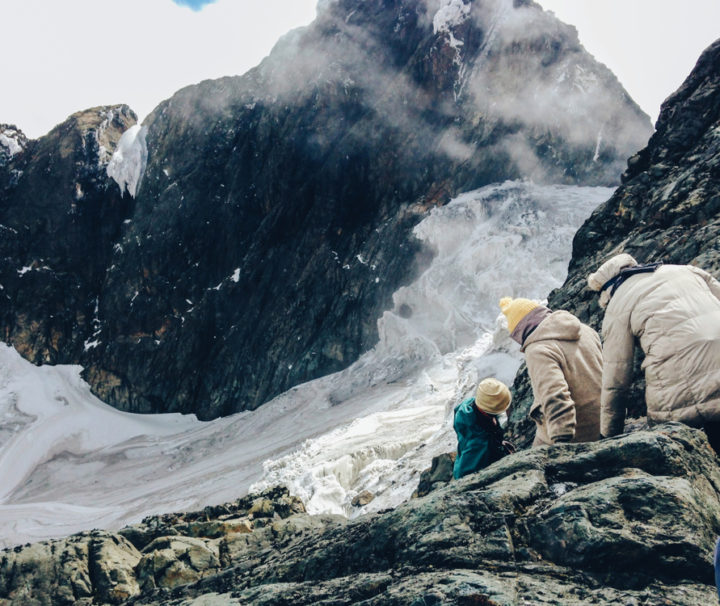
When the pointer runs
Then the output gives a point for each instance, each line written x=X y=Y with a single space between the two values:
x=495 y=71
x=273 y=221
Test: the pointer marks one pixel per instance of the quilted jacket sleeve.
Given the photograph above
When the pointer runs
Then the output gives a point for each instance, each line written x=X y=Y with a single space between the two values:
x=618 y=349
x=551 y=391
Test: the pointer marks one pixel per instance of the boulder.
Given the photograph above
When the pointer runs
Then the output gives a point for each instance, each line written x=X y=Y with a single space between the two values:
x=94 y=567
x=178 y=560
x=111 y=565
x=439 y=474
x=362 y=498
x=628 y=520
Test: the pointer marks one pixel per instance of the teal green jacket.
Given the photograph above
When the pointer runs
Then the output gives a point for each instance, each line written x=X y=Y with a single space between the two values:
x=478 y=446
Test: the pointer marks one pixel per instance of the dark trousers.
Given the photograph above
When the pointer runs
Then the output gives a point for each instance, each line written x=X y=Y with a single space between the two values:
x=712 y=431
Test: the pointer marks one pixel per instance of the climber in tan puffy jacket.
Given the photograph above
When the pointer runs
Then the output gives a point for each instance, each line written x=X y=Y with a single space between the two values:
x=564 y=361
x=674 y=312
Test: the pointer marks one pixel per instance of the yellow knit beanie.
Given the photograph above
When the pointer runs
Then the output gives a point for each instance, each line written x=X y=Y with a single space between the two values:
x=492 y=396
x=516 y=309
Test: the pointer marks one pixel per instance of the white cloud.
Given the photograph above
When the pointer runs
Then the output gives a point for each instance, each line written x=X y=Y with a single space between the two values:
x=650 y=45
x=61 y=57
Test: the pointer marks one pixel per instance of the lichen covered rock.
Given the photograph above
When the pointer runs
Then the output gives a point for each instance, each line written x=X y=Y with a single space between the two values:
x=629 y=520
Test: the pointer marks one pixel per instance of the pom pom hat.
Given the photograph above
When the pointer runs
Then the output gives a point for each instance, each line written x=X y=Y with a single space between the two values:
x=515 y=310
x=492 y=396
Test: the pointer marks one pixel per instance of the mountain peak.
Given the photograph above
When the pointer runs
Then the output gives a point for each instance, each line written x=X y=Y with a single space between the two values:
x=331 y=150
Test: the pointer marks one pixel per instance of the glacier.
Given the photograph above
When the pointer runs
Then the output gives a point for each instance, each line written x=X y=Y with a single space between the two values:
x=69 y=463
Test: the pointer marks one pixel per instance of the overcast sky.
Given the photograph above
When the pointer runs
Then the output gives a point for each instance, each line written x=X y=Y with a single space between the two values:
x=59 y=57
x=650 y=45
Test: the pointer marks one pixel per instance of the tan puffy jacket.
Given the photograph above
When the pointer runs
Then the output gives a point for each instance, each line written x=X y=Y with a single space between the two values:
x=564 y=360
x=675 y=314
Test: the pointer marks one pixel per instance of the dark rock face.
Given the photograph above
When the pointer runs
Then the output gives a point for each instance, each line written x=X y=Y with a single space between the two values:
x=274 y=219
x=60 y=217
x=437 y=476
x=667 y=209
x=624 y=521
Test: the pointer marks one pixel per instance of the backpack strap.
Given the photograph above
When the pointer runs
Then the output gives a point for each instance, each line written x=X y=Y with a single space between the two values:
x=615 y=282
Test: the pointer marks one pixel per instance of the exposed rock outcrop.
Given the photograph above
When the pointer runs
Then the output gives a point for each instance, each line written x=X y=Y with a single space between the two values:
x=60 y=216
x=631 y=520
x=437 y=476
x=667 y=209
x=274 y=219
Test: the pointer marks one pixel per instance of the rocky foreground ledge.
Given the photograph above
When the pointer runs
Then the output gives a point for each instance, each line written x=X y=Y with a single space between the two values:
x=630 y=520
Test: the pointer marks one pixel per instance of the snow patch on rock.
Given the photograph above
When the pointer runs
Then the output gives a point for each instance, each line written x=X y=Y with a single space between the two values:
x=129 y=161
x=103 y=152
x=450 y=14
x=10 y=139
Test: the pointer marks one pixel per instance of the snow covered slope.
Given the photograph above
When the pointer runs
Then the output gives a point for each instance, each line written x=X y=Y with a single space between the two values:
x=68 y=462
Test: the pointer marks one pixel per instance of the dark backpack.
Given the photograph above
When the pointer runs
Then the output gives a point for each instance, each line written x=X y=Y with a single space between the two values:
x=500 y=446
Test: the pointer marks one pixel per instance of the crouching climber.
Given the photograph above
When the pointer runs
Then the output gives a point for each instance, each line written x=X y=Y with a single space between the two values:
x=674 y=312
x=480 y=437
x=564 y=361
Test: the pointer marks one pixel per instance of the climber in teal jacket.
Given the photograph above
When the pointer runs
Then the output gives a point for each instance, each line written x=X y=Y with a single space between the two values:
x=480 y=437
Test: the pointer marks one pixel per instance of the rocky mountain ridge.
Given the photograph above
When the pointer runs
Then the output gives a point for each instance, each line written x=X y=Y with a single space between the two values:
x=629 y=520
x=274 y=220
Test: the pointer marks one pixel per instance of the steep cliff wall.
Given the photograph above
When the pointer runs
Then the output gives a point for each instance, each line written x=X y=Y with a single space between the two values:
x=60 y=216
